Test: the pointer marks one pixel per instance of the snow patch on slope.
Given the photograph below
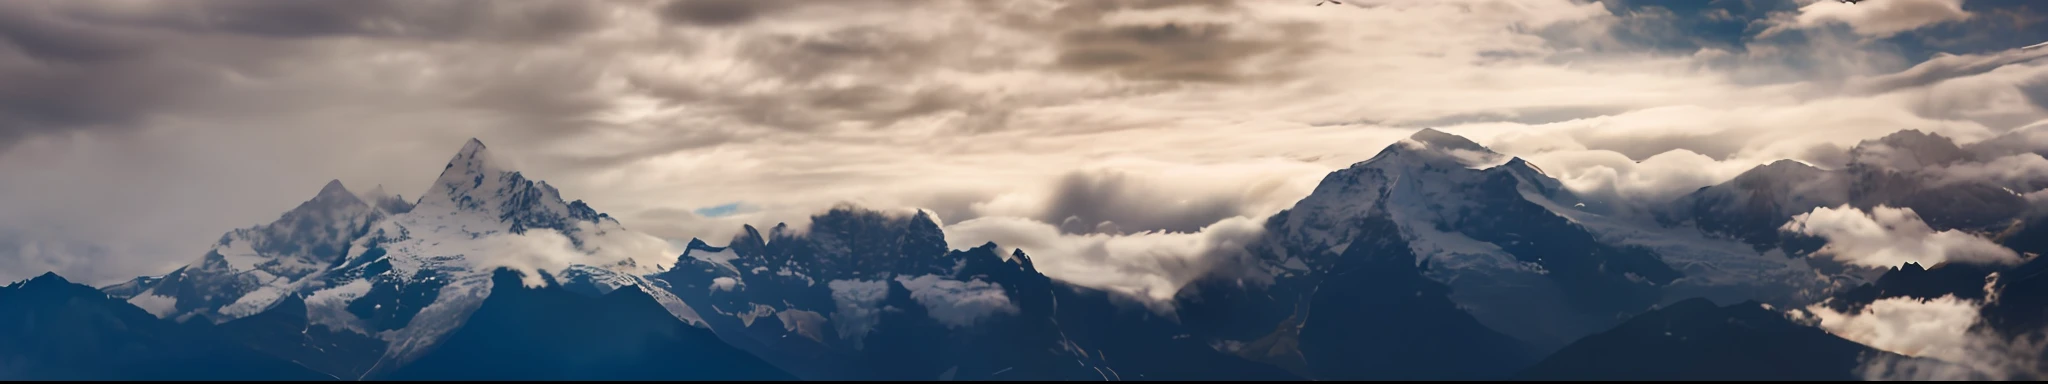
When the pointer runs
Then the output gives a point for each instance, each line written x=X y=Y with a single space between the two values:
x=722 y=257
x=329 y=306
x=673 y=304
x=255 y=302
x=466 y=247
x=805 y=323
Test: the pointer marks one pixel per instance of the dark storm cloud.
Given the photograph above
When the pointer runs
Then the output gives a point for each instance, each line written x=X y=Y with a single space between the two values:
x=1088 y=11
x=719 y=13
x=99 y=97
x=879 y=75
x=1115 y=203
x=83 y=66
x=816 y=106
x=37 y=32
x=62 y=75
x=1173 y=51
x=881 y=65
x=1197 y=52
x=731 y=13
x=861 y=49
x=535 y=98
x=412 y=19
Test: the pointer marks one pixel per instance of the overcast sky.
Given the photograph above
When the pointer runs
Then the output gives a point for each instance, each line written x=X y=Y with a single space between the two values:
x=132 y=134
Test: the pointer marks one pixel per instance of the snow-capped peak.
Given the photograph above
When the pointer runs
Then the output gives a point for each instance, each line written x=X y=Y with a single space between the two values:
x=470 y=170
x=334 y=190
x=249 y=268
x=472 y=181
x=1431 y=147
x=1441 y=140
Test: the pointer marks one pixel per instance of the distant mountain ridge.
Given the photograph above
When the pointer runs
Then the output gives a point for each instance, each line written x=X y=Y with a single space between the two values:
x=1436 y=259
x=881 y=297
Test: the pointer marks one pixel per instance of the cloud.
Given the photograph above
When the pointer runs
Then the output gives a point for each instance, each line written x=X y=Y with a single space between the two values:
x=546 y=250
x=1945 y=67
x=1150 y=266
x=1931 y=328
x=1612 y=176
x=719 y=13
x=29 y=255
x=1198 y=52
x=1109 y=202
x=1888 y=237
x=2036 y=91
x=1946 y=329
x=957 y=303
x=858 y=306
x=1880 y=19
x=2020 y=172
x=1196 y=111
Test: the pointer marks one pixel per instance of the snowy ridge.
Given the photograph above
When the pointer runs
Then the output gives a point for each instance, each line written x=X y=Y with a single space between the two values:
x=409 y=273
x=1432 y=192
x=869 y=295
x=478 y=218
x=250 y=268
x=1974 y=187
x=1422 y=181
x=1520 y=252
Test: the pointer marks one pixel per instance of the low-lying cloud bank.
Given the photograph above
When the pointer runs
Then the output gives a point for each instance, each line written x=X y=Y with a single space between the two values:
x=1888 y=237
x=1151 y=266
x=1947 y=329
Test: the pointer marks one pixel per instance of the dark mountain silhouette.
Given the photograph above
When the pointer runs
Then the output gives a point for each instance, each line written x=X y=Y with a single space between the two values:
x=1695 y=340
x=838 y=303
x=550 y=333
x=52 y=329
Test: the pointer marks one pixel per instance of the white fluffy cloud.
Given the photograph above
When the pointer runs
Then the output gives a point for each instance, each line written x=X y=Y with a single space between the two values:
x=1880 y=18
x=957 y=303
x=1659 y=178
x=969 y=108
x=857 y=307
x=2011 y=171
x=1150 y=266
x=1945 y=329
x=1888 y=237
x=547 y=250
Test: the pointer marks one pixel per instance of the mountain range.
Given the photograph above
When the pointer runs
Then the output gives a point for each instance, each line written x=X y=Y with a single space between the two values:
x=1436 y=259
